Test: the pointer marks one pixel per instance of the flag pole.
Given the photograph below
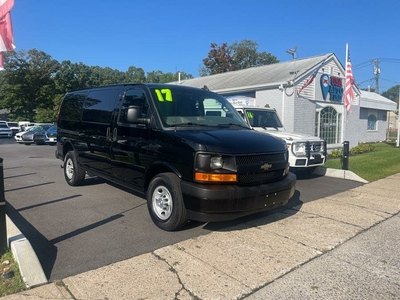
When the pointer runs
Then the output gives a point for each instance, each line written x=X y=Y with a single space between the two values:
x=344 y=99
x=347 y=56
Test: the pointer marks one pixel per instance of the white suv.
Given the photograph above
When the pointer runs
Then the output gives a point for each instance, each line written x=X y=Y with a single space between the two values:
x=306 y=152
x=14 y=126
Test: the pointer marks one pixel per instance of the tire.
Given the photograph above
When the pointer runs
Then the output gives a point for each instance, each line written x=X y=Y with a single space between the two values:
x=165 y=202
x=74 y=175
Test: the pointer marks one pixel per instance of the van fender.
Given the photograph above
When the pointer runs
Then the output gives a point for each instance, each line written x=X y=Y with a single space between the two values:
x=67 y=146
x=158 y=167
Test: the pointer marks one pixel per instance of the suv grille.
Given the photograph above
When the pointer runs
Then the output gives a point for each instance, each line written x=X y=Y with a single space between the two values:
x=251 y=173
x=315 y=147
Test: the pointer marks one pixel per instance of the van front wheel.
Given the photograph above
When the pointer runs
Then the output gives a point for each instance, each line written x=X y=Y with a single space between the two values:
x=73 y=174
x=165 y=202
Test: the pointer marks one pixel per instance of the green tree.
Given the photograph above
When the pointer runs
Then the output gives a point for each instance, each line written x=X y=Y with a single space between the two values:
x=27 y=87
x=135 y=75
x=238 y=56
x=154 y=76
x=73 y=76
x=246 y=55
x=33 y=84
x=392 y=93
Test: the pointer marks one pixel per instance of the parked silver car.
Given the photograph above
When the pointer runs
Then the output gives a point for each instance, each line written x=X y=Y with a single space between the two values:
x=28 y=137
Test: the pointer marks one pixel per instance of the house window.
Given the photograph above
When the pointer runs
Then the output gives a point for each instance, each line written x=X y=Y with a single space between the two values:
x=371 y=122
x=330 y=125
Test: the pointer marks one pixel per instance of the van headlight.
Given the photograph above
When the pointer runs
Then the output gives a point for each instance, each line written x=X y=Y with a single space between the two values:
x=216 y=162
x=215 y=168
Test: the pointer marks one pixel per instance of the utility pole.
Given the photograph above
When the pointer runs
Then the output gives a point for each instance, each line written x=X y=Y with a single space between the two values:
x=377 y=71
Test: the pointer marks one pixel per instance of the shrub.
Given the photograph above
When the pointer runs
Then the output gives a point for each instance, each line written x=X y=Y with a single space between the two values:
x=359 y=149
x=362 y=148
x=336 y=153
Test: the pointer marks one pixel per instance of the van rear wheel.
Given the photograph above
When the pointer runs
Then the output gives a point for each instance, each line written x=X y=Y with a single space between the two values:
x=74 y=175
x=165 y=202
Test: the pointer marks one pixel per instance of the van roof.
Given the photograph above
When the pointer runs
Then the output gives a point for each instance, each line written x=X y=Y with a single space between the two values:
x=134 y=84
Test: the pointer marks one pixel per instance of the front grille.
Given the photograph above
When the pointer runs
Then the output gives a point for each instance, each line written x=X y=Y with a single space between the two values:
x=260 y=178
x=254 y=159
x=251 y=173
x=315 y=147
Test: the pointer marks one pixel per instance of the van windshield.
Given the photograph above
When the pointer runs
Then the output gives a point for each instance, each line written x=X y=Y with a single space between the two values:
x=182 y=106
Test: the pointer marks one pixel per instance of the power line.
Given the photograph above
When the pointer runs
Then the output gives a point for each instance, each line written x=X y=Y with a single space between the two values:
x=373 y=60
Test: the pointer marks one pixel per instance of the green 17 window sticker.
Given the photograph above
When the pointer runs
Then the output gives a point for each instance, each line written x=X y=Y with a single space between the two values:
x=164 y=95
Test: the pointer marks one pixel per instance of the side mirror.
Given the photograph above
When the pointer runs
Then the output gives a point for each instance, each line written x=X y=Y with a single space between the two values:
x=134 y=115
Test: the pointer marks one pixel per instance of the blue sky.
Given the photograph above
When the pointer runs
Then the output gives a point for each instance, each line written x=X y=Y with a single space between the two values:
x=176 y=35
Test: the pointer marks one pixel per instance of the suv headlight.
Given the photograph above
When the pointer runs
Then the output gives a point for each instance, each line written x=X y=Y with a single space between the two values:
x=299 y=148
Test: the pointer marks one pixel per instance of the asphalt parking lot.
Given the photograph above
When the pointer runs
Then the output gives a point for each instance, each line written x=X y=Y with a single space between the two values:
x=76 y=229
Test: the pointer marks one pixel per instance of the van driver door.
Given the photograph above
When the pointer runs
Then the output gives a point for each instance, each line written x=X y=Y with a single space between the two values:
x=130 y=141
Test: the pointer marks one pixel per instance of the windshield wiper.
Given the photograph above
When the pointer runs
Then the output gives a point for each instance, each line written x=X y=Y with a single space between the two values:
x=269 y=127
x=232 y=125
x=189 y=124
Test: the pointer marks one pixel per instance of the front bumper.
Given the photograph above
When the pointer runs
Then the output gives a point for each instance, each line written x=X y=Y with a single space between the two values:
x=207 y=203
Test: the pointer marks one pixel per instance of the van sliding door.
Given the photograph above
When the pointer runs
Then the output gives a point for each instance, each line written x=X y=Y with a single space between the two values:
x=96 y=129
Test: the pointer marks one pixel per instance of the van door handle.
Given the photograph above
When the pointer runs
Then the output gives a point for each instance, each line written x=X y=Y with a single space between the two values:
x=115 y=134
x=108 y=136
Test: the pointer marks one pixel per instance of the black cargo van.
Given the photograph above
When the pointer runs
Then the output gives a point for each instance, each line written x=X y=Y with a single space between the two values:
x=186 y=149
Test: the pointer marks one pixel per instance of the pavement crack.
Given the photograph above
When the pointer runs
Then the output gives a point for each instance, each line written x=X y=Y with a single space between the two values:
x=172 y=269
x=63 y=285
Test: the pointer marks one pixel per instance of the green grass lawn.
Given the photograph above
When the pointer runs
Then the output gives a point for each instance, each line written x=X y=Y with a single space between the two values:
x=382 y=162
x=13 y=284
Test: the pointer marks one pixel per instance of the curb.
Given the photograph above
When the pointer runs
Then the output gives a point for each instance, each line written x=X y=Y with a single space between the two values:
x=29 y=266
x=345 y=174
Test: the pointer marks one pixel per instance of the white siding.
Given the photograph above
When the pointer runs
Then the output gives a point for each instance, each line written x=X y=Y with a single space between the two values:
x=304 y=117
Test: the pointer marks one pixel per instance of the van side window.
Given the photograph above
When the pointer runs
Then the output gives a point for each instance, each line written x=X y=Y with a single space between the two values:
x=98 y=106
x=133 y=97
x=71 y=107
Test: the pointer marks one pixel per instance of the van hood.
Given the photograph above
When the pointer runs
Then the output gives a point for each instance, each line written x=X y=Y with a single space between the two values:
x=288 y=136
x=230 y=141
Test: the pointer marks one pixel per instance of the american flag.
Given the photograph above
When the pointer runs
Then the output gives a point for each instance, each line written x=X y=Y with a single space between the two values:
x=6 y=34
x=348 y=91
x=311 y=78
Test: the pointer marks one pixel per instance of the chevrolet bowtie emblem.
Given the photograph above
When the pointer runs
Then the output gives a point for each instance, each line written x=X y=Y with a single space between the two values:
x=266 y=166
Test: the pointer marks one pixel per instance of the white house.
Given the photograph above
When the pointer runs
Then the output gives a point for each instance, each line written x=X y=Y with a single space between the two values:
x=318 y=109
